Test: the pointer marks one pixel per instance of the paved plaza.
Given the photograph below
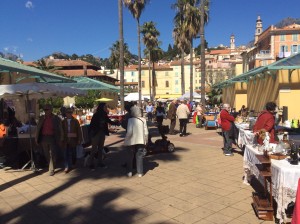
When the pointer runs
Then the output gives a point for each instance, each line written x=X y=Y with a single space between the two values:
x=195 y=184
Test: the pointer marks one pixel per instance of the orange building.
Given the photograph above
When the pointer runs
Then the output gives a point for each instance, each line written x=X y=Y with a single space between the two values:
x=272 y=44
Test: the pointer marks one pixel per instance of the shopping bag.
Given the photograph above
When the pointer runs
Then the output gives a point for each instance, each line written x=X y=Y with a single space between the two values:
x=79 y=151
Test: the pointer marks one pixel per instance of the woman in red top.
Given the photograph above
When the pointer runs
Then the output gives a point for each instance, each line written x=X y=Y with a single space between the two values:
x=266 y=120
x=226 y=121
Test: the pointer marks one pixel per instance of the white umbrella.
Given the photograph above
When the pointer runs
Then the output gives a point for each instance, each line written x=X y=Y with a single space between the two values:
x=36 y=91
x=187 y=95
x=133 y=97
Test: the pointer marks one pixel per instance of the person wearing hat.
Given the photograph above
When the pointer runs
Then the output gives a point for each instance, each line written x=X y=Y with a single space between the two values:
x=72 y=137
x=98 y=130
x=50 y=135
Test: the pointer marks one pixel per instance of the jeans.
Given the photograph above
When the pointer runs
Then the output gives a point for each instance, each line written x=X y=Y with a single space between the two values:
x=138 y=151
x=149 y=115
x=69 y=156
x=227 y=141
x=182 y=126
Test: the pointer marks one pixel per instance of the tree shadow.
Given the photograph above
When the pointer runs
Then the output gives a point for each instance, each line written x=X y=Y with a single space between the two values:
x=101 y=210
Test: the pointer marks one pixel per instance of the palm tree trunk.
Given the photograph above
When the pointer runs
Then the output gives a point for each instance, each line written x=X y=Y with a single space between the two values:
x=153 y=81
x=121 y=40
x=191 y=71
x=182 y=73
x=203 y=76
x=139 y=64
x=150 y=86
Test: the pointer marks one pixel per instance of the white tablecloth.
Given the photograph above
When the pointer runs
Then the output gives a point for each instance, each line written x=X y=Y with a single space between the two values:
x=246 y=137
x=284 y=178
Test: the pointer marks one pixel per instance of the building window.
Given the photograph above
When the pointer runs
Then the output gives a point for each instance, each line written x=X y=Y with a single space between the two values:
x=176 y=82
x=294 y=49
x=176 y=74
x=143 y=73
x=167 y=83
x=143 y=84
x=132 y=74
x=195 y=81
x=295 y=37
x=132 y=80
x=166 y=73
x=176 y=90
x=282 y=37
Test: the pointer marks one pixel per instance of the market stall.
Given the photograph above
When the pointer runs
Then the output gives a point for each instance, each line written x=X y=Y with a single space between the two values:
x=24 y=93
x=284 y=178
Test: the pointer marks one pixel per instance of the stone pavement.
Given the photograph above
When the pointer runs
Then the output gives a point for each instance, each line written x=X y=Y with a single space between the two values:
x=195 y=184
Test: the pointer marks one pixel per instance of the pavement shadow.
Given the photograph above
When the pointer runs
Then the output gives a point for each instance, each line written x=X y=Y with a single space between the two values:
x=101 y=209
x=18 y=180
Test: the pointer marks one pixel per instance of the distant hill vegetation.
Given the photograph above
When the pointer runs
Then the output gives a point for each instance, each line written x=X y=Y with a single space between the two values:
x=287 y=21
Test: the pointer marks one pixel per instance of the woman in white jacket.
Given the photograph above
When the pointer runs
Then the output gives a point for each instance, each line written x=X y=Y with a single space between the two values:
x=136 y=137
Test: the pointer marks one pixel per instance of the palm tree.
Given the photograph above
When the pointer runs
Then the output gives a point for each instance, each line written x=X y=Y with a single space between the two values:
x=115 y=55
x=204 y=6
x=136 y=7
x=179 y=35
x=150 y=35
x=192 y=26
x=121 y=50
x=155 y=55
x=46 y=65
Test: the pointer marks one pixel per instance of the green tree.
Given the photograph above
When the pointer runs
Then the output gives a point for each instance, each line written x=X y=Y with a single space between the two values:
x=150 y=39
x=87 y=101
x=136 y=8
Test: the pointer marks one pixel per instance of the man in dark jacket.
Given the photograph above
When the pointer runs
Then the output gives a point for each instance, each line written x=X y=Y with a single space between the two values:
x=98 y=131
x=172 y=116
x=226 y=121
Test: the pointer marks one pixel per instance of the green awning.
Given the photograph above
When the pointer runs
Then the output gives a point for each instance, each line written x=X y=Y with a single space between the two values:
x=8 y=66
x=85 y=83
x=291 y=63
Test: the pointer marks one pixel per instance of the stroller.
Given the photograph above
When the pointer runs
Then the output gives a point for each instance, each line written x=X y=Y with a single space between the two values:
x=160 y=145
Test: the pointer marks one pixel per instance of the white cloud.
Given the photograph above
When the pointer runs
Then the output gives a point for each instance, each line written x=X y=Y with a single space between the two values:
x=29 y=39
x=6 y=49
x=29 y=5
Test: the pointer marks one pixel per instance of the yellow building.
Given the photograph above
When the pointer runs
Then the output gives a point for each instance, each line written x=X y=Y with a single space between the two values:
x=277 y=82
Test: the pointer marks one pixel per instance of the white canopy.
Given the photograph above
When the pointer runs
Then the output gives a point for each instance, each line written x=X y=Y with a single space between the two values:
x=37 y=90
x=133 y=97
x=187 y=95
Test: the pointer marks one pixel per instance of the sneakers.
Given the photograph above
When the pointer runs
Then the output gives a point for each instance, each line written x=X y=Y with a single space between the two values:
x=228 y=154
x=51 y=173
x=140 y=175
x=129 y=174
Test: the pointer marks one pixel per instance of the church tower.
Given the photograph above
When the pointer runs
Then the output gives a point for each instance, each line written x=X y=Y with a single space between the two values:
x=258 y=29
x=232 y=42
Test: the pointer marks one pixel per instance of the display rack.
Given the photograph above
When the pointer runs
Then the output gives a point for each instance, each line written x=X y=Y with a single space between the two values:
x=263 y=201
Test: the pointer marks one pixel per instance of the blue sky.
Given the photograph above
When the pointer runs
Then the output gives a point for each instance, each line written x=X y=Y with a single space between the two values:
x=36 y=28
